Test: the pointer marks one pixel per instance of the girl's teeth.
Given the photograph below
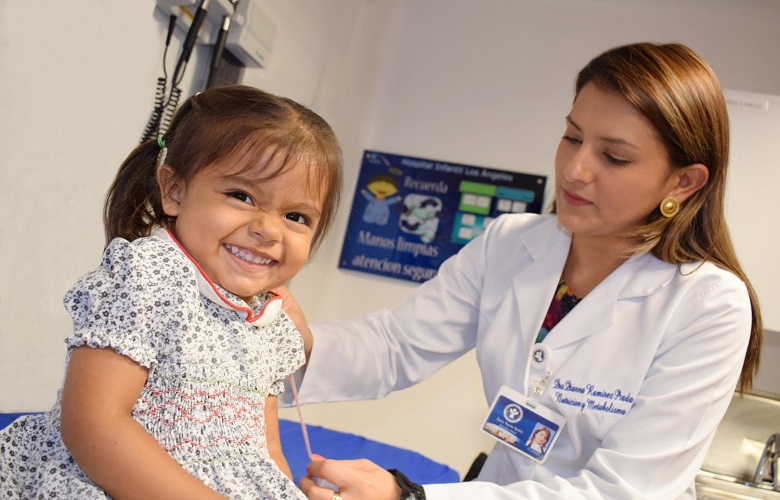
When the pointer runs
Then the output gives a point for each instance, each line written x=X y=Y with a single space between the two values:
x=247 y=256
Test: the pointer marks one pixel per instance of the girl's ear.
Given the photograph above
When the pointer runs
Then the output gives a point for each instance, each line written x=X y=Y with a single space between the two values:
x=690 y=179
x=171 y=190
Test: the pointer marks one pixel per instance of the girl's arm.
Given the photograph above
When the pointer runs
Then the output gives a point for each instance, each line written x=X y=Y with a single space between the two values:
x=101 y=389
x=293 y=310
x=272 y=435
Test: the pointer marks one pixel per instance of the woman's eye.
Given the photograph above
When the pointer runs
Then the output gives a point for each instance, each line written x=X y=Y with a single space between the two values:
x=296 y=217
x=239 y=195
x=616 y=161
x=571 y=140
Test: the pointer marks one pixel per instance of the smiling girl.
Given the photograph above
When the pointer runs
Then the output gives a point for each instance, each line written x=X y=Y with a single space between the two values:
x=179 y=348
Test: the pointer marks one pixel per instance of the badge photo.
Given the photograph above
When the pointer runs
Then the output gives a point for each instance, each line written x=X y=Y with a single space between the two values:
x=530 y=431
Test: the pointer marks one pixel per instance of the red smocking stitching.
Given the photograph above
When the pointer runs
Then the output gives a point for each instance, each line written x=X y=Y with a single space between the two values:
x=209 y=445
x=239 y=411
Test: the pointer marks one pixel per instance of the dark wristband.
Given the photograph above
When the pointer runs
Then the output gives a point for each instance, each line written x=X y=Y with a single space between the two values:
x=409 y=490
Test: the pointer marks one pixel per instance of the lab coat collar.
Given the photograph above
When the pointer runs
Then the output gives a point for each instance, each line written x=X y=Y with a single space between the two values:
x=268 y=311
x=639 y=276
x=537 y=270
x=547 y=246
x=547 y=239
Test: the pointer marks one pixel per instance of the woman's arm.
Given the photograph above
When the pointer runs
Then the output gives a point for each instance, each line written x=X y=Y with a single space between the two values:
x=101 y=388
x=272 y=435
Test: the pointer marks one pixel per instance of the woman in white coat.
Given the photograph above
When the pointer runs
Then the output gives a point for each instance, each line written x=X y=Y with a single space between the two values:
x=624 y=316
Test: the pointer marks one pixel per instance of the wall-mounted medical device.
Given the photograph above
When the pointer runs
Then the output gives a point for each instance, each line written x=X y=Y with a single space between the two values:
x=250 y=37
x=238 y=26
x=186 y=10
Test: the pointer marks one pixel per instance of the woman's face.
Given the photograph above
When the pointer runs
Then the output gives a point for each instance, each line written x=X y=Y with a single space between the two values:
x=611 y=168
x=542 y=436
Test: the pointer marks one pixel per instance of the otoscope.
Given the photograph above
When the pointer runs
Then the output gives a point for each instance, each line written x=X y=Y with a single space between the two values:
x=189 y=41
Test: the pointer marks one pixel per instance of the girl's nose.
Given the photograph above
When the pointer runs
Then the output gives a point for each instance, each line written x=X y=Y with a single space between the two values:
x=267 y=227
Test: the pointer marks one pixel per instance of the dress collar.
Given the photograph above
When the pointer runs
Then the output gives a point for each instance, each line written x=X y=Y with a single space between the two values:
x=268 y=311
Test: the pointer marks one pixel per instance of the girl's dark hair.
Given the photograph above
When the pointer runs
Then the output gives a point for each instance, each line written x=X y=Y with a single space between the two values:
x=215 y=124
x=678 y=92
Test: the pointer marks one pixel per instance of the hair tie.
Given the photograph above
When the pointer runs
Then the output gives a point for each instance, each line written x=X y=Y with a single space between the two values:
x=163 y=152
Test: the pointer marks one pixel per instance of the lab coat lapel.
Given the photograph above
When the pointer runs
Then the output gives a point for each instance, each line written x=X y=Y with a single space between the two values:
x=546 y=247
x=637 y=277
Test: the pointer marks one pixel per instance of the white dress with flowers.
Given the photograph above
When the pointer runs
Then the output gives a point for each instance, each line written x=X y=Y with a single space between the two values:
x=212 y=362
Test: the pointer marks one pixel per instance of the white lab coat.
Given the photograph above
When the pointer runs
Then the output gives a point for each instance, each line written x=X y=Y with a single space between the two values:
x=671 y=339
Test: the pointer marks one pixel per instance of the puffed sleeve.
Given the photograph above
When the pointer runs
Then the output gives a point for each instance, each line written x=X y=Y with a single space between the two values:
x=121 y=304
x=289 y=352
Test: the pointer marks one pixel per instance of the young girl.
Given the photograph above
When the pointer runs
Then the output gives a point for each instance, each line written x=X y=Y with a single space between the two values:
x=179 y=348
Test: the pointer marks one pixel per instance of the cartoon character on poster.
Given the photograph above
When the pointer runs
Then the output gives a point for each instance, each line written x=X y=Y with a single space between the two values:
x=421 y=216
x=379 y=195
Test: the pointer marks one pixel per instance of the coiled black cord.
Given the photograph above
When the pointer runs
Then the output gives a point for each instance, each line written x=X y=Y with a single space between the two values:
x=153 y=126
x=170 y=109
x=161 y=106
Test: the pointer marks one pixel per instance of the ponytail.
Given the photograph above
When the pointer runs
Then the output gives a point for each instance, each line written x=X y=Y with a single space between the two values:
x=133 y=206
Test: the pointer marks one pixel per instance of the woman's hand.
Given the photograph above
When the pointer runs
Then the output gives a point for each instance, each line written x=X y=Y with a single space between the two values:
x=293 y=310
x=357 y=480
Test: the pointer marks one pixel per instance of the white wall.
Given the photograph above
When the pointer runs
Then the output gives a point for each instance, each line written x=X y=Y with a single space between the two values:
x=484 y=83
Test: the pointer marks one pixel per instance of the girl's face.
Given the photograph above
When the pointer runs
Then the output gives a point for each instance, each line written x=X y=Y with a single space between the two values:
x=248 y=235
x=611 y=169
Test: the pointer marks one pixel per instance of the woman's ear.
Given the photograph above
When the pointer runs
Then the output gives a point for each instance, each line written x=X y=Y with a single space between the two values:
x=171 y=190
x=690 y=179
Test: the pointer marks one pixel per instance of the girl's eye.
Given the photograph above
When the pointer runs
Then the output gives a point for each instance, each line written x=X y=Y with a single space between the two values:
x=296 y=217
x=239 y=195
x=571 y=140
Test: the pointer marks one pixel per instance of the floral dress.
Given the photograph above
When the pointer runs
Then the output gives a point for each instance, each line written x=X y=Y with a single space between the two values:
x=212 y=363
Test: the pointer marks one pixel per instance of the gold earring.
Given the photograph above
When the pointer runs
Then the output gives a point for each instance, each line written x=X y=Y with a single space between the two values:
x=669 y=207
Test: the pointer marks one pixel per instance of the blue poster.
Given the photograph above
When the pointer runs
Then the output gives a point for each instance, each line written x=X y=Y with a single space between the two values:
x=410 y=214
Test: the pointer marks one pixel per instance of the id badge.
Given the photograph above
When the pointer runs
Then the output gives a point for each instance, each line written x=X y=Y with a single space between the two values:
x=528 y=430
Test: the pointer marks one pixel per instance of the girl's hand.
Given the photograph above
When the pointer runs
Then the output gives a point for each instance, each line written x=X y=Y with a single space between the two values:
x=293 y=310
x=357 y=480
